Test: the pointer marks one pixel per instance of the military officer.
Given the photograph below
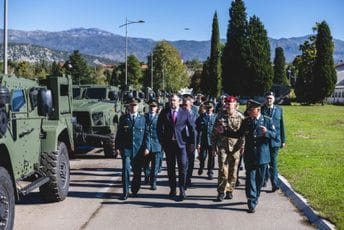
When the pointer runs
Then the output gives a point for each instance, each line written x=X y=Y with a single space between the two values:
x=275 y=112
x=228 y=143
x=152 y=147
x=258 y=131
x=204 y=125
x=129 y=143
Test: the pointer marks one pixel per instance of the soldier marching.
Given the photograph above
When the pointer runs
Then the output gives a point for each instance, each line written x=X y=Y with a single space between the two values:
x=226 y=134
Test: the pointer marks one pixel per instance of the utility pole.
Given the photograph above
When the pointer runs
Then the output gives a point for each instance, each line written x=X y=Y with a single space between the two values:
x=127 y=22
x=5 y=38
x=152 y=71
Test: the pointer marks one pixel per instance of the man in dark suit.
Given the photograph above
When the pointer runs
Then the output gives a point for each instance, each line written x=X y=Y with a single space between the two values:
x=258 y=131
x=152 y=147
x=129 y=143
x=171 y=132
x=276 y=114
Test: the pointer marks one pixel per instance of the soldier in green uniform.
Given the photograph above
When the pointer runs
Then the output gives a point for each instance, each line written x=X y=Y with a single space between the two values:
x=258 y=130
x=129 y=144
x=228 y=144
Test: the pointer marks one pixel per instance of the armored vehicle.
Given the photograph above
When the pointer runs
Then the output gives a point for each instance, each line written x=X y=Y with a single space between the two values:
x=95 y=118
x=35 y=138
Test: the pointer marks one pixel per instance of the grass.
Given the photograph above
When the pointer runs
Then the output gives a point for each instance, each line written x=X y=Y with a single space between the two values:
x=313 y=160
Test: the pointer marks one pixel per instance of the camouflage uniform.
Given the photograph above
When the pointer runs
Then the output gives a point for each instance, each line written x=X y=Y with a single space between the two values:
x=227 y=143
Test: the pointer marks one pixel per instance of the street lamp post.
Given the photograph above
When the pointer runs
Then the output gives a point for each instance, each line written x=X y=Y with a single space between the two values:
x=127 y=22
x=152 y=71
x=5 y=38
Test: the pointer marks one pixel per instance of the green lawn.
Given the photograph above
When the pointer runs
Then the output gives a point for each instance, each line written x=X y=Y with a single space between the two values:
x=313 y=160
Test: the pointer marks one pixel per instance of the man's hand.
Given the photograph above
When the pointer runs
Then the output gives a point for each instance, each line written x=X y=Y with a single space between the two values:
x=263 y=129
x=242 y=150
x=198 y=148
x=283 y=145
x=146 y=152
x=117 y=152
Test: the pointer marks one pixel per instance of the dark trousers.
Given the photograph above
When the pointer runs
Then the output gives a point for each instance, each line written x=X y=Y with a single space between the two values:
x=190 y=149
x=173 y=153
x=273 y=170
x=204 y=152
x=135 y=163
x=152 y=163
x=255 y=176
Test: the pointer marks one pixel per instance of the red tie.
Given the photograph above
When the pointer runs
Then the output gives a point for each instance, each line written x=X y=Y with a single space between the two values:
x=174 y=117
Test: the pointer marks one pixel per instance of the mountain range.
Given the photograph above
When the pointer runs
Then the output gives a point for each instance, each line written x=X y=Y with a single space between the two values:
x=100 y=46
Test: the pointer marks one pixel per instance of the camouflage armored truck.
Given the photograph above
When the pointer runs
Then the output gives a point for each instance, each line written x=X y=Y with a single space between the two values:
x=35 y=138
x=95 y=118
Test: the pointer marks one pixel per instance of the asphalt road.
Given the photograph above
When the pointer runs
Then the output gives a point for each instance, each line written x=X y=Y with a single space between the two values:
x=93 y=203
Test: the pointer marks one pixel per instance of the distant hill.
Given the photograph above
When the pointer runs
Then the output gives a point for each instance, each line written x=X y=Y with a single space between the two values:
x=102 y=44
x=34 y=53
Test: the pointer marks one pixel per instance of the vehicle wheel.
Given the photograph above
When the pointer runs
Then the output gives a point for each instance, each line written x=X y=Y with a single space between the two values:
x=6 y=200
x=56 y=166
x=109 y=147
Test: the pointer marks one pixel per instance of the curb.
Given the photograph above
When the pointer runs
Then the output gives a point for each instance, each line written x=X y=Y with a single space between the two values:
x=302 y=205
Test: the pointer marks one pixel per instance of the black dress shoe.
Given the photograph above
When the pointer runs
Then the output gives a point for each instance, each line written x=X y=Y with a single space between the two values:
x=134 y=194
x=274 y=188
x=172 y=194
x=237 y=183
x=182 y=196
x=220 y=197
x=229 y=195
x=124 y=196
x=251 y=210
x=210 y=176
x=200 y=171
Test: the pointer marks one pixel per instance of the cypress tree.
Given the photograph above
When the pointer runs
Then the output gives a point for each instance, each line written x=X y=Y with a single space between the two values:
x=233 y=58
x=280 y=75
x=259 y=66
x=205 y=76
x=214 y=80
x=324 y=74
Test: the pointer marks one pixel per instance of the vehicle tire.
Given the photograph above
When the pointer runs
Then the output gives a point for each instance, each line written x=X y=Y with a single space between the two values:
x=7 y=200
x=56 y=166
x=109 y=146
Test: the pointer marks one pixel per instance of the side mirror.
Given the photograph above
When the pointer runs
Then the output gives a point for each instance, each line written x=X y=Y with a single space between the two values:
x=4 y=95
x=45 y=102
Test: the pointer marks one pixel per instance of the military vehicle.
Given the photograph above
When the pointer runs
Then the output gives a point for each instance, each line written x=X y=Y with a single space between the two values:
x=35 y=138
x=95 y=118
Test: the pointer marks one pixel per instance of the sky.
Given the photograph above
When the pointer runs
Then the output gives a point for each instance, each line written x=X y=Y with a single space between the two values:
x=167 y=19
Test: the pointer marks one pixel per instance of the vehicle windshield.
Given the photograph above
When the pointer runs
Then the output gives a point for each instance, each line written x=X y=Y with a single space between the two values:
x=76 y=92
x=96 y=93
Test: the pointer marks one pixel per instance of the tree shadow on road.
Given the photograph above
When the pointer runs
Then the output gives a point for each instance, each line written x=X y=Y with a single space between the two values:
x=184 y=204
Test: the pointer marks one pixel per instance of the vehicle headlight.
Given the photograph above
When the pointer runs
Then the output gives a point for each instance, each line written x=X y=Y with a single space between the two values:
x=97 y=118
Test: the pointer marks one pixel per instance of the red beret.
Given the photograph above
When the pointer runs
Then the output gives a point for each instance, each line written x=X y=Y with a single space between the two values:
x=231 y=99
